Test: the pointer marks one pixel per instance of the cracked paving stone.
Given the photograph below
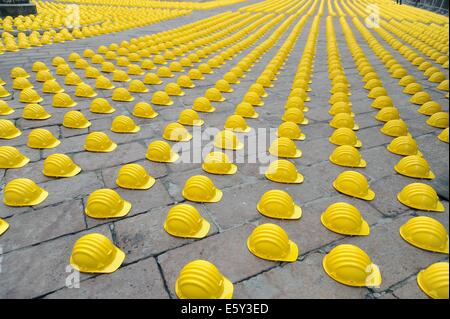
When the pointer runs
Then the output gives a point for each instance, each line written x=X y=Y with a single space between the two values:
x=144 y=235
x=43 y=224
x=221 y=250
x=42 y=268
x=141 y=280
x=304 y=279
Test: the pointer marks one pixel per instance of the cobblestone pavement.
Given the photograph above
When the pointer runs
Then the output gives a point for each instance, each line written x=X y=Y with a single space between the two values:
x=36 y=249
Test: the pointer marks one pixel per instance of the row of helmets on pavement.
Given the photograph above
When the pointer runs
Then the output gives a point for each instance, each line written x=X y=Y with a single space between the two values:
x=201 y=188
x=420 y=96
x=423 y=232
x=52 y=25
x=130 y=176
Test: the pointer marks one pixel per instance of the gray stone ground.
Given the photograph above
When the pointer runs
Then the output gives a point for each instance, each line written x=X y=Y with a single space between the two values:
x=37 y=247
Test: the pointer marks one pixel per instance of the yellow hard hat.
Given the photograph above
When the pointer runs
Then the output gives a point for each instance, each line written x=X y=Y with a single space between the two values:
x=30 y=96
x=103 y=83
x=101 y=106
x=39 y=66
x=161 y=98
x=395 y=128
x=60 y=165
x=8 y=130
x=439 y=120
x=404 y=145
x=52 y=86
x=387 y=114
x=144 y=110
x=429 y=108
x=202 y=104
x=348 y=156
x=200 y=279
x=18 y=72
x=278 y=204
x=231 y=78
x=373 y=83
x=75 y=119
x=414 y=166
x=290 y=130
x=407 y=79
x=99 y=142
x=344 y=120
x=294 y=115
x=236 y=123
x=443 y=136
x=122 y=95
x=62 y=69
x=353 y=184
x=227 y=140
x=41 y=138
x=23 y=192
x=420 y=98
x=413 y=88
x=134 y=176
x=296 y=102
x=148 y=65
x=382 y=102
x=437 y=77
x=120 y=76
x=443 y=86
x=201 y=189
x=246 y=110
x=345 y=136
x=106 y=203
x=350 y=265
x=253 y=98
x=124 y=124
x=72 y=79
x=44 y=75
x=434 y=280
x=426 y=233
x=190 y=117
x=205 y=68
x=85 y=90
x=271 y=242
x=137 y=86
x=345 y=219
x=284 y=147
x=185 y=221
x=91 y=73
x=164 y=72
x=95 y=253
x=283 y=171
x=338 y=97
x=223 y=86
x=214 y=95
x=185 y=82
x=10 y=157
x=341 y=107
x=176 y=132
x=420 y=196
x=5 y=109
x=161 y=152
x=173 y=89
x=134 y=69
x=21 y=84
x=218 y=163
x=3 y=226
x=63 y=100
x=108 y=67
x=176 y=67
